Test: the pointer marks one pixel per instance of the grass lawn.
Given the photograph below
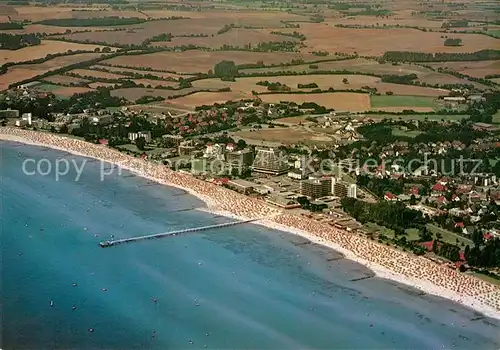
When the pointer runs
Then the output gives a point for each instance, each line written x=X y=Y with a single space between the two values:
x=496 y=118
x=405 y=133
x=449 y=236
x=401 y=101
x=495 y=33
x=412 y=234
x=486 y=278
x=48 y=87
x=436 y=117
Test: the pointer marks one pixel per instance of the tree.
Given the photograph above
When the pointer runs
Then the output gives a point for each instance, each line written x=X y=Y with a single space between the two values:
x=225 y=69
x=241 y=144
x=63 y=129
x=140 y=143
x=345 y=81
x=413 y=200
x=434 y=246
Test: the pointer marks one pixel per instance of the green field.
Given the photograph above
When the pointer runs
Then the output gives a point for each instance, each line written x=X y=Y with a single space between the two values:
x=449 y=236
x=495 y=33
x=405 y=133
x=496 y=118
x=401 y=101
x=412 y=234
x=48 y=87
x=432 y=117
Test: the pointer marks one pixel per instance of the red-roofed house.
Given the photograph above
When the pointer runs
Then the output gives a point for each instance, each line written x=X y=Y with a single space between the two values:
x=459 y=224
x=221 y=181
x=144 y=156
x=428 y=245
x=390 y=197
x=415 y=191
x=103 y=142
x=230 y=147
x=487 y=236
x=442 y=200
x=439 y=187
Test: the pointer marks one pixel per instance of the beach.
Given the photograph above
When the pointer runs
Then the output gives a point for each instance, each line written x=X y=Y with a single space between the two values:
x=385 y=261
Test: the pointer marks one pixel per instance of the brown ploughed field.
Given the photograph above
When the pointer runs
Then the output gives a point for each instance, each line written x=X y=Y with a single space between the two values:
x=196 y=61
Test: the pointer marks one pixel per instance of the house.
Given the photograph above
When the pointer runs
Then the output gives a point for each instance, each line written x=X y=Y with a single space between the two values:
x=132 y=136
x=459 y=224
x=103 y=142
x=102 y=119
x=441 y=200
x=414 y=190
x=390 y=197
x=221 y=181
x=439 y=187
x=487 y=236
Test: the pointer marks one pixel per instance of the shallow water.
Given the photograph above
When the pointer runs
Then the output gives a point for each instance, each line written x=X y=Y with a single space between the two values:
x=236 y=287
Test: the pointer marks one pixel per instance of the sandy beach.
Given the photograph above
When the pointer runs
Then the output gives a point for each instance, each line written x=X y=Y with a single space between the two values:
x=386 y=262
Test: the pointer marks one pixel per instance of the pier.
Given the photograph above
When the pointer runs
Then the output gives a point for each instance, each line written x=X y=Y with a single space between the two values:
x=106 y=244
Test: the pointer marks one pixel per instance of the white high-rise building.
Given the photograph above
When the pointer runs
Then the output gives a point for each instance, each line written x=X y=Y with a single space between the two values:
x=352 y=191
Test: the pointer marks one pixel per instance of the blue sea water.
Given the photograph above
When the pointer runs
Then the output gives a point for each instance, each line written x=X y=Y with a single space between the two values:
x=236 y=287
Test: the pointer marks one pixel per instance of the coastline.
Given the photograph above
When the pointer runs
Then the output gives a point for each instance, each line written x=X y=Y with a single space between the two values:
x=385 y=262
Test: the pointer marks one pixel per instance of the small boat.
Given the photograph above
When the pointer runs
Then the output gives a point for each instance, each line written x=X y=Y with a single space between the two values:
x=51 y=303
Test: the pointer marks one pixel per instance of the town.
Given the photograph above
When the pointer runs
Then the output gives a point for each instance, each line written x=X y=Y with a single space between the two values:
x=427 y=186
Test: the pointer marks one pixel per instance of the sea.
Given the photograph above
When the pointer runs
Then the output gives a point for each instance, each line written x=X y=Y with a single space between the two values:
x=240 y=287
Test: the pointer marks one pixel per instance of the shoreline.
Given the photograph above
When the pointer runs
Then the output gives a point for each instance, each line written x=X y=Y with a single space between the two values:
x=386 y=262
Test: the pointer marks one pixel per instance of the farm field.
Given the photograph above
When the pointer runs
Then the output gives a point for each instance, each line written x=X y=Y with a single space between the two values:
x=120 y=70
x=285 y=136
x=342 y=101
x=49 y=30
x=361 y=65
x=96 y=74
x=375 y=42
x=40 y=51
x=208 y=23
x=436 y=117
x=206 y=98
x=496 y=118
x=96 y=85
x=246 y=17
x=235 y=37
x=401 y=19
x=133 y=94
x=477 y=69
x=401 y=101
x=196 y=61
x=64 y=80
x=366 y=66
x=324 y=82
x=293 y=120
x=137 y=33
x=27 y=71
x=63 y=91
